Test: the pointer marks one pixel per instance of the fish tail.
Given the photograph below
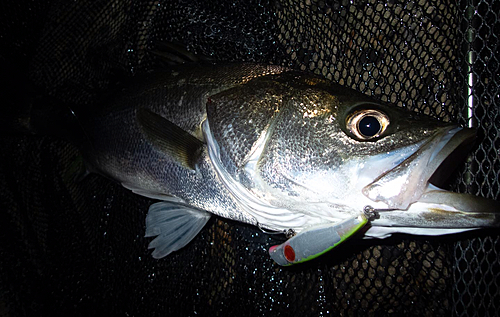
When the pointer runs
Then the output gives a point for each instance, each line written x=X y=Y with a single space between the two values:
x=28 y=110
x=17 y=95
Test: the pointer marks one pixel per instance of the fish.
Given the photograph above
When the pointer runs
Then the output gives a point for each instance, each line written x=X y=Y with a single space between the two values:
x=284 y=150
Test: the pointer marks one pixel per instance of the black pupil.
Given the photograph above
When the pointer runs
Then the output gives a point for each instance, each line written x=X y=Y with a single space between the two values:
x=369 y=126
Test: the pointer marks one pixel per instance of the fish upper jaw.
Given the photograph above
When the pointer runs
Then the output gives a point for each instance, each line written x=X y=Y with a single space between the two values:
x=414 y=201
x=404 y=184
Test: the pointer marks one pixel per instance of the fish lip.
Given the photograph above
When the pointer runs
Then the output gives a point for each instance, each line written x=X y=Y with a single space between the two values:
x=406 y=182
x=448 y=154
x=436 y=208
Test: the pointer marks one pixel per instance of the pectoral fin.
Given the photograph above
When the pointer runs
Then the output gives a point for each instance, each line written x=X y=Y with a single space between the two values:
x=150 y=194
x=169 y=138
x=174 y=225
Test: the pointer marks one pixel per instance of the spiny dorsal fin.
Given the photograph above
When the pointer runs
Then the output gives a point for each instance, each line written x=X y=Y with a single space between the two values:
x=169 y=138
x=173 y=54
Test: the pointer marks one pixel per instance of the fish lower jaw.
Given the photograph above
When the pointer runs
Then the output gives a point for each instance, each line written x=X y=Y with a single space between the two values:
x=443 y=212
x=404 y=184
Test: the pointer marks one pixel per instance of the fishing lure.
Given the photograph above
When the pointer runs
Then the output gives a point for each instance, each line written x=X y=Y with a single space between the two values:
x=315 y=241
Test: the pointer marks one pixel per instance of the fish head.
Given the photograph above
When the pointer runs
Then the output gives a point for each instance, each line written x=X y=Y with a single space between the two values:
x=297 y=151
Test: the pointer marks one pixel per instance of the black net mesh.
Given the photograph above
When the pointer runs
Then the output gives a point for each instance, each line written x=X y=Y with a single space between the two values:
x=76 y=247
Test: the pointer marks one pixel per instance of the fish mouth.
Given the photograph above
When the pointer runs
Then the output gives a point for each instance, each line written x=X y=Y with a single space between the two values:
x=411 y=192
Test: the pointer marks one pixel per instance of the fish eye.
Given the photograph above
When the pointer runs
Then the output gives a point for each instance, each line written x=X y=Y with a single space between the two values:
x=367 y=124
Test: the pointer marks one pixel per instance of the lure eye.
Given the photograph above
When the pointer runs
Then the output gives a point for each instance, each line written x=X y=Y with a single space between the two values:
x=367 y=124
x=289 y=253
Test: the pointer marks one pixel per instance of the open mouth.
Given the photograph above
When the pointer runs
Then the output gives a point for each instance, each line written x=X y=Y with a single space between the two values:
x=447 y=157
x=419 y=201
x=404 y=184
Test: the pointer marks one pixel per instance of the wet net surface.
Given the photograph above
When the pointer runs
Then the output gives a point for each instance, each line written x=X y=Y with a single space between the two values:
x=77 y=248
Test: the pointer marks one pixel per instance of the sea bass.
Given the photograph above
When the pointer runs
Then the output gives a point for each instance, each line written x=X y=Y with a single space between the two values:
x=283 y=150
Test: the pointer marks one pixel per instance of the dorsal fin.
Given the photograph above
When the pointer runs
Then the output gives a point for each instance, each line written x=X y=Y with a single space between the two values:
x=169 y=138
x=174 y=54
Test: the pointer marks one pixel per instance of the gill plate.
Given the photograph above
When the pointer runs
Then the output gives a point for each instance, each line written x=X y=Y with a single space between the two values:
x=265 y=214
